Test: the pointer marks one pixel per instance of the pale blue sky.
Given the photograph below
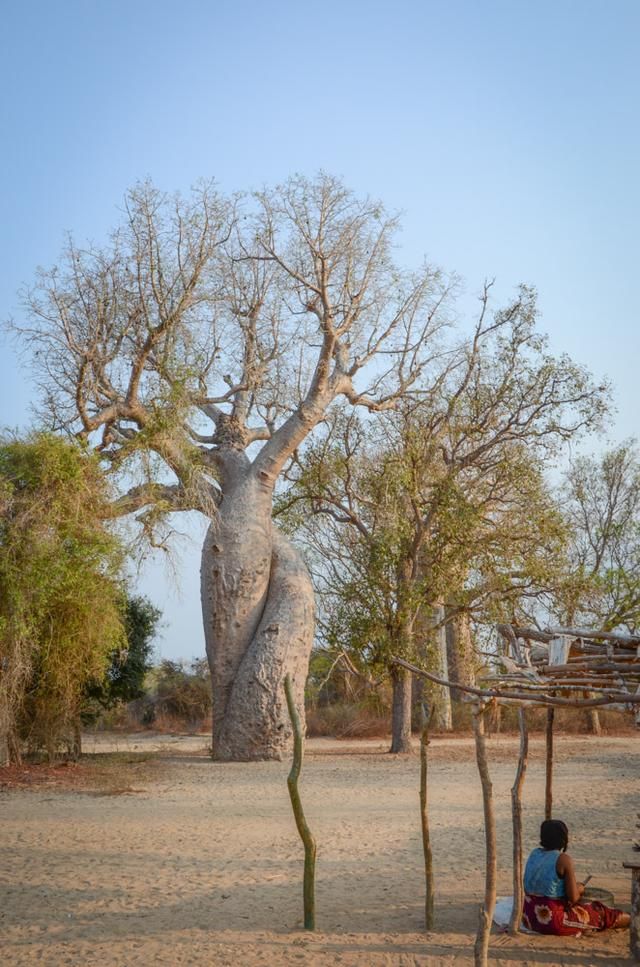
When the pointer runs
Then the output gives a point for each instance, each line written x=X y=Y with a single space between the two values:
x=508 y=132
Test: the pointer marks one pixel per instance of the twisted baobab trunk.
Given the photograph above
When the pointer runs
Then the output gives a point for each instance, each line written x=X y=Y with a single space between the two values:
x=258 y=612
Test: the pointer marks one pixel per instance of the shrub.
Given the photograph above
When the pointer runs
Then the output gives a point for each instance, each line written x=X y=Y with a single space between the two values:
x=182 y=695
x=60 y=616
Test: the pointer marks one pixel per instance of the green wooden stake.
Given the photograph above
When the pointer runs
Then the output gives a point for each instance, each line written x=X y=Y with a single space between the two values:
x=308 y=891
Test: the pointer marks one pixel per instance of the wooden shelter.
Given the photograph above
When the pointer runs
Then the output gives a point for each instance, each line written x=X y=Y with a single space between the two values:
x=572 y=668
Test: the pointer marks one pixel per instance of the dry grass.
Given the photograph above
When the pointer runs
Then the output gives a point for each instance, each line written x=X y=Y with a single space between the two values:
x=345 y=720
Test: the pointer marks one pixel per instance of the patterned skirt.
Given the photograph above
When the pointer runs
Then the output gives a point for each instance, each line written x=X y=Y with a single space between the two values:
x=546 y=915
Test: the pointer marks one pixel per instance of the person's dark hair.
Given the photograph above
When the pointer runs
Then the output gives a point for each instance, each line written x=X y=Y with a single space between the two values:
x=554 y=834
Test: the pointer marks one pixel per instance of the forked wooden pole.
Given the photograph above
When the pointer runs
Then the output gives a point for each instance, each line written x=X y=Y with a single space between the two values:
x=481 y=948
x=429 y=918
x=548 y=788
x=516 y=810
x=308 y=891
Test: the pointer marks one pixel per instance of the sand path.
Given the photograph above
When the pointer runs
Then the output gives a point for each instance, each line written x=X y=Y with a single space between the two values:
x=200 y=862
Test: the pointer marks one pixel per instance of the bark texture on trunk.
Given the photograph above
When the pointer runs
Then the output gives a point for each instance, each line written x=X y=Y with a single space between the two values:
x=258 y=610
x=443 y=719
x=460 y=650
x=401 y=710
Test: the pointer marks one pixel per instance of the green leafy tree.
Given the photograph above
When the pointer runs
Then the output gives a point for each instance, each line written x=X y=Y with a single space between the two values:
x=60 y=616
x=443 y=503
x=125 y=677
x=602 y=505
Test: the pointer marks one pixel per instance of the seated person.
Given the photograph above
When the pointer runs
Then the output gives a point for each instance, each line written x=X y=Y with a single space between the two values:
x=552 y=902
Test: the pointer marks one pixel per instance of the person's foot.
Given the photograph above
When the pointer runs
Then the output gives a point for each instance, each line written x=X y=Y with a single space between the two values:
x=622 y=920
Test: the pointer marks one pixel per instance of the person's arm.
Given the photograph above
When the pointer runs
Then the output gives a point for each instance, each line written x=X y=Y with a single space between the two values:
x=565 y=869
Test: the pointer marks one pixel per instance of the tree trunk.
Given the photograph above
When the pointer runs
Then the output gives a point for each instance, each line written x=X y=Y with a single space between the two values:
x=76 y=744
x=15 y=748
x=460 y=651
x=258 y=611
x=4 y=725
x=442 y=719
x=401 y=710
x=4 y=749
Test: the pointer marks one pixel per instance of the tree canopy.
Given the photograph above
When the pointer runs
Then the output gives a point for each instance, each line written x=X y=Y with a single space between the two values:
x=443 y=502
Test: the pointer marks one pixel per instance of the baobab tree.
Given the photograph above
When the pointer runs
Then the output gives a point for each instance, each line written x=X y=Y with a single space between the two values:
x=196 y=351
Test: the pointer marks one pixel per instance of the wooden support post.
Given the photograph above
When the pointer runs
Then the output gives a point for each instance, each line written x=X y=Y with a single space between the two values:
x=559 y=648
x=548 y=788
x=634 y=935
x=516 y=810
x=481 y=947
x=429 y=918
x=308 y=891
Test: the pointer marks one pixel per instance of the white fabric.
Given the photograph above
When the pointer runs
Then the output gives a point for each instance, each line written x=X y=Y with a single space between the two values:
x=503 y=911
x=502 y=914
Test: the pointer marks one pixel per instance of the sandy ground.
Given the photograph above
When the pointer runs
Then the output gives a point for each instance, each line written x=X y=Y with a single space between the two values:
x=164 y=857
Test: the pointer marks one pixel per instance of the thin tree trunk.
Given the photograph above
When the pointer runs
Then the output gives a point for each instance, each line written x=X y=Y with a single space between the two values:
x=516 y=808
x=4 y=750
x=442 y=720
x=308 y=888
x=460 y=651
x=481 y=947
x=15 y=748
x=429 y=917
x=400 y=710
x=76 y=745
x=5 y=720
x=548 y=786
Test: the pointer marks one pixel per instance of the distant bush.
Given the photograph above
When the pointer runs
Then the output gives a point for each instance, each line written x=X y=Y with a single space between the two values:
x=129 y=665
x=343 y=720
x=364 y=720
x=180 y=694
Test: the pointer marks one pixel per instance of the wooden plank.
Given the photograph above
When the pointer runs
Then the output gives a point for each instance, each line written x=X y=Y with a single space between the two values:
x=559 y=650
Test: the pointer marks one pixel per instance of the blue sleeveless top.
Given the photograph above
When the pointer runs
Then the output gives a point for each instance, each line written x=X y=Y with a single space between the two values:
x=540 y=877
